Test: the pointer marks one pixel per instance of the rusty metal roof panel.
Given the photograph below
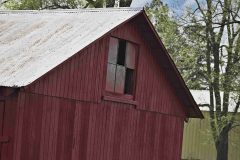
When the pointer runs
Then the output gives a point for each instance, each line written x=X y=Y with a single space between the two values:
x=34 y=42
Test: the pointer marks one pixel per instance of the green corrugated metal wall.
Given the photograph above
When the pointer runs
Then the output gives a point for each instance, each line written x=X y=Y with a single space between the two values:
x=198 y=142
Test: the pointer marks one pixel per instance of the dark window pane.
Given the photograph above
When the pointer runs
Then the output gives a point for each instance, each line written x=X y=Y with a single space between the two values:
x=110 y=77
x=113 y=50
x=121 y=52
x=130 y=56
x=120 y=79
x=129 y=81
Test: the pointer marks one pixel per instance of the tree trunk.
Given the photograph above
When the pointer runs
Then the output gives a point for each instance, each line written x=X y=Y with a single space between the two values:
x=117 y=3
x=222 y=146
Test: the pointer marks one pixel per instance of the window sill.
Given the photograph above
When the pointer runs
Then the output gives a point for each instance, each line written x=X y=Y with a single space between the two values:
x=120 y=100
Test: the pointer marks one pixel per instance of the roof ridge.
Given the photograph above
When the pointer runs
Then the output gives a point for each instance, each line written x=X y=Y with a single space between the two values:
x=72 y=10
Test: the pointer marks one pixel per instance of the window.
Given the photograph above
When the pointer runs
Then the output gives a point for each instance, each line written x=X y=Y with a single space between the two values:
x=121 y=66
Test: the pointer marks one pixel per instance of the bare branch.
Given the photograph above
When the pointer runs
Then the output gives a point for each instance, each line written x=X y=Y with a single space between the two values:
x=234 y=126
x=200 y=9
x=4 y=2
x=204 y=105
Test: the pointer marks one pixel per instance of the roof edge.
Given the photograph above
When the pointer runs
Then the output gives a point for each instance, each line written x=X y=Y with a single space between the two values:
x=72 y=10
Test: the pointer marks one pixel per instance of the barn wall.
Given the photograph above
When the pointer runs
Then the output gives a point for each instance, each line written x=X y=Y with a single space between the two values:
x=63 y=114
x=82 y=77
x=8 y=128
x=55 y=128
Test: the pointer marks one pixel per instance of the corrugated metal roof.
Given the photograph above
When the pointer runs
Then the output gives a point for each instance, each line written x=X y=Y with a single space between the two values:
x=34 y=42
x=202 y=97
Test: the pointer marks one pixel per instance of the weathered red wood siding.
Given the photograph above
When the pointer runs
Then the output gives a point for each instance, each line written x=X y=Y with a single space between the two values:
x=82 y=77
x=8 y=127
x=63 y=116
x=56 y=128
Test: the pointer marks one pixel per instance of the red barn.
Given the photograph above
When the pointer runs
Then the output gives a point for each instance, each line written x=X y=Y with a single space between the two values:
x=93 y=84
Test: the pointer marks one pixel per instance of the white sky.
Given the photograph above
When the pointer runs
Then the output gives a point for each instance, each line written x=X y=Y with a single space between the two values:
x=140 y=3
x=173 y=4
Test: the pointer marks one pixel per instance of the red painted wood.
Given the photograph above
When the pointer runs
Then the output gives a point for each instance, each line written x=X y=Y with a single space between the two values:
x=2 y=106
x=8 y=114
x=65 y=129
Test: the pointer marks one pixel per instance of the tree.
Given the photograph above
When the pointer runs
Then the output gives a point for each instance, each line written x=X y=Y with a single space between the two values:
x=43 y=4
x=220 y=28
x=179 y=47
x=61 y=4
x=207 y=43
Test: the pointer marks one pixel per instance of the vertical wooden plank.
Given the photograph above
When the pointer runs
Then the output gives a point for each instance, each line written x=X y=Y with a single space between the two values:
x=118 y=136
x=78 y=63
x=63 y=78
x=9 y=125
x=54 y=84
x=96 y=76
x=123 y=152
x=71 y=78
x=91 y=130
x=67 y=79
x=65 y=130
x=44 y=136
x=81 y=128
x=23 y=149
x=49 y=86
x=157 y=136
x=19 y=123
x=92 y=67
x=111 y=130
x=104 y=65
x=81 y=74
x=2 y=106
x=107 y=132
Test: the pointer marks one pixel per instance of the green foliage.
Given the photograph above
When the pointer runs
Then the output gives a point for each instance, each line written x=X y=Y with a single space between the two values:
x=62 y=4
x=125 y=3
x=187 y=55
x=107 y=3
x=43 y=4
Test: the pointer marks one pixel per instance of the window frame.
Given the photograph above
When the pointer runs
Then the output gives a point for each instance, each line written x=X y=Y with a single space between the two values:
x=109 y=95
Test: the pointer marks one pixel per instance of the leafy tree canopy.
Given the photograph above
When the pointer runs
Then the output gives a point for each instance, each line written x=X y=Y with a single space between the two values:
x=187 y=56
x=61 y=4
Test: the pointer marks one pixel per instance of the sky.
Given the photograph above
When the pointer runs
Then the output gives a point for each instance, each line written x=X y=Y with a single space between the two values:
x=176 y=6
x=173 y=4
x=140 y=3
